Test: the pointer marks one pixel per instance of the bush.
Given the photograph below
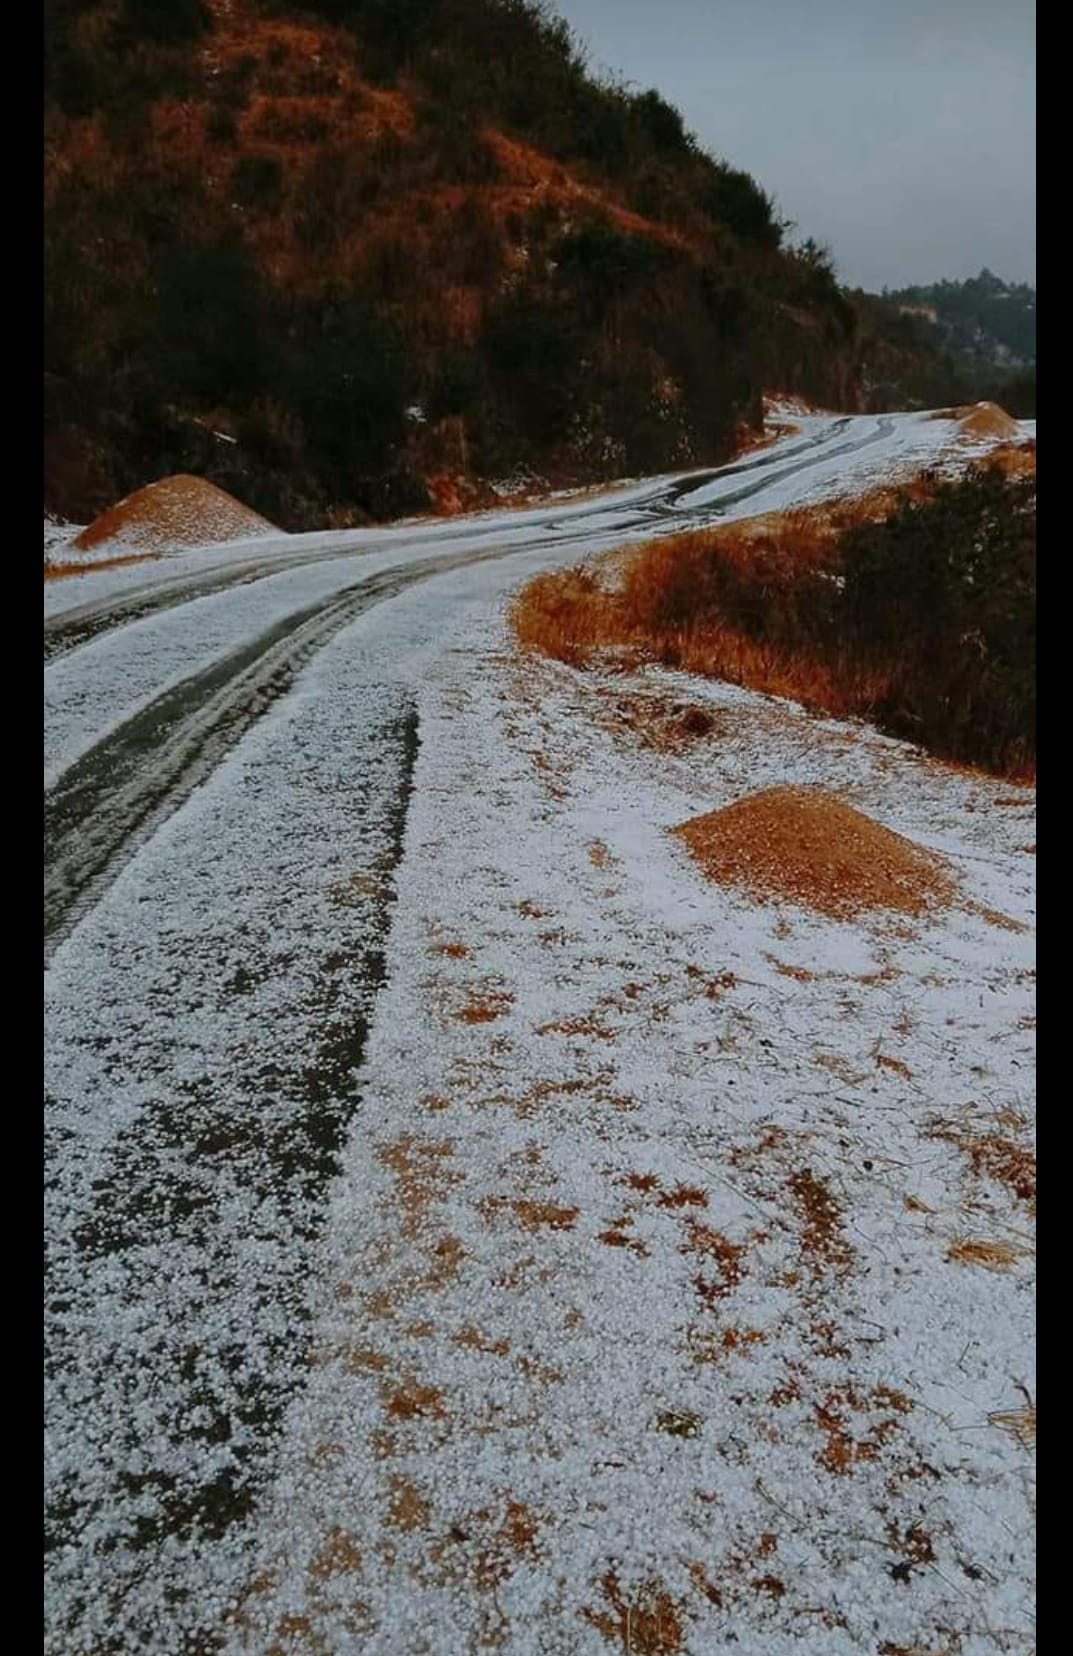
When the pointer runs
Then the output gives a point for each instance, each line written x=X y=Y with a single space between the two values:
x=349 y=379
x=736 y=200
x=606 y=349
x=944 y=594
x=221 y=124
x=922 y=621
x=532 y=358
x=164 y=22
x=457 y=386
x=257 y=182
x=601 y=264
x=207 y=334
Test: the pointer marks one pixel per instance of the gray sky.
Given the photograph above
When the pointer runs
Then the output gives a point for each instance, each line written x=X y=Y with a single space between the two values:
x=900 y=133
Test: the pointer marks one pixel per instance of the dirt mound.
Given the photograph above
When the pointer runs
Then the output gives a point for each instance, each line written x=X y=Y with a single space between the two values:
x=805 y=846
x=983 y=419
x=177 y=511
x=987 y=419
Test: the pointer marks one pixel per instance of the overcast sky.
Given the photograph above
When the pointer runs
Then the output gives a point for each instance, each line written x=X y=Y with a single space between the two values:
x=900 y=133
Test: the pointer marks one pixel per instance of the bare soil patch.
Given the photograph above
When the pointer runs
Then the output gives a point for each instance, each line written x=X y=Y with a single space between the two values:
x=806 y=846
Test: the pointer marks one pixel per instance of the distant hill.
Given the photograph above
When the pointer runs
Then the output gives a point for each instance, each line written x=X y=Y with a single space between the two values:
x=988 y=327
x=327 y=254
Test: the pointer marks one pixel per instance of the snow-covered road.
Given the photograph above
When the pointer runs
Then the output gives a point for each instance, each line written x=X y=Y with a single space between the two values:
x=363 y=1002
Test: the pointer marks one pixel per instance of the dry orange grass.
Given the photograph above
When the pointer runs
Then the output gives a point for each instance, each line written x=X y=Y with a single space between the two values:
x=661 y=602
x=805 y=846
x=994 y=1156
x=1020 y=1423
x=797 y=605
x=988 y=1252
x=982 y=419
x=1014 y=459
x=536 y=1216
x=648 y=1622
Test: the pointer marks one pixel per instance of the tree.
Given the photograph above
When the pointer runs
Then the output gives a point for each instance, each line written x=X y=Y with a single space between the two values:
x=349 y=379
x=207 y=335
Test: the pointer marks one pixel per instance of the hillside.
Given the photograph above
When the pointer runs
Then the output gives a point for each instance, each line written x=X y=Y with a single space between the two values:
x=326 y=256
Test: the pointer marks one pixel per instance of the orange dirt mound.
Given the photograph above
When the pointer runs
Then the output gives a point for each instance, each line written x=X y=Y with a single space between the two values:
x=177 y=511
x=805 y=846
x=986 y=419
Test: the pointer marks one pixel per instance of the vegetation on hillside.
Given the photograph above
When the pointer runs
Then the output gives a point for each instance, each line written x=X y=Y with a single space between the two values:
x=988 y=328
x=915 y=611
x=320 y=253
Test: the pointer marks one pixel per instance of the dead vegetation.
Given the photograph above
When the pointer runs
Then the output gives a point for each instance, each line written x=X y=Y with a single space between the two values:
x=717 y=1253
x=644 y=1621
x=983 y=419
x=989 y=1252
x=852 y=1434
x=664 y=723
x=62 y=571
x=423 y=1174
x=822 y=1239
x=1013 y=459
x=615 y=1236
x=412 y=1401
x=684 y=1195
x=649 y=602
x=537 y=1216
x=912 y=608
x=484 y=1548
x=408 y=1509
x=806 y=846
x=993 y=1155
x=486 y=1007
x=1019 y=1423
x=339 y=1555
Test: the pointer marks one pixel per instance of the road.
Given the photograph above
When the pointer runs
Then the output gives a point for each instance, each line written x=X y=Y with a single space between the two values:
x=229 y=753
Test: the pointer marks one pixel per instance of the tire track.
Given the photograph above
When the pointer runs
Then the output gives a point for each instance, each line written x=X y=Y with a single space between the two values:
x=73 y=627
x=683 y=492
x=105 y=805
x=183 y=1212
x=112 y=799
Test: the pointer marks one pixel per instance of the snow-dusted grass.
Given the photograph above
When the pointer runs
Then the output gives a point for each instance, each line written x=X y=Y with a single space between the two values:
x=58 y=536
x=658 y=1263
x=674 y=1289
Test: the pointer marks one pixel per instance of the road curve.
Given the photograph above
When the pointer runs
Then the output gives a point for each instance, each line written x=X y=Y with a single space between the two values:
x=79 y=623
x=104 y=805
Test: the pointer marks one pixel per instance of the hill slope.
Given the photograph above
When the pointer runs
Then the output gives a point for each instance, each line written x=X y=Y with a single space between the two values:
x=322 y=254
